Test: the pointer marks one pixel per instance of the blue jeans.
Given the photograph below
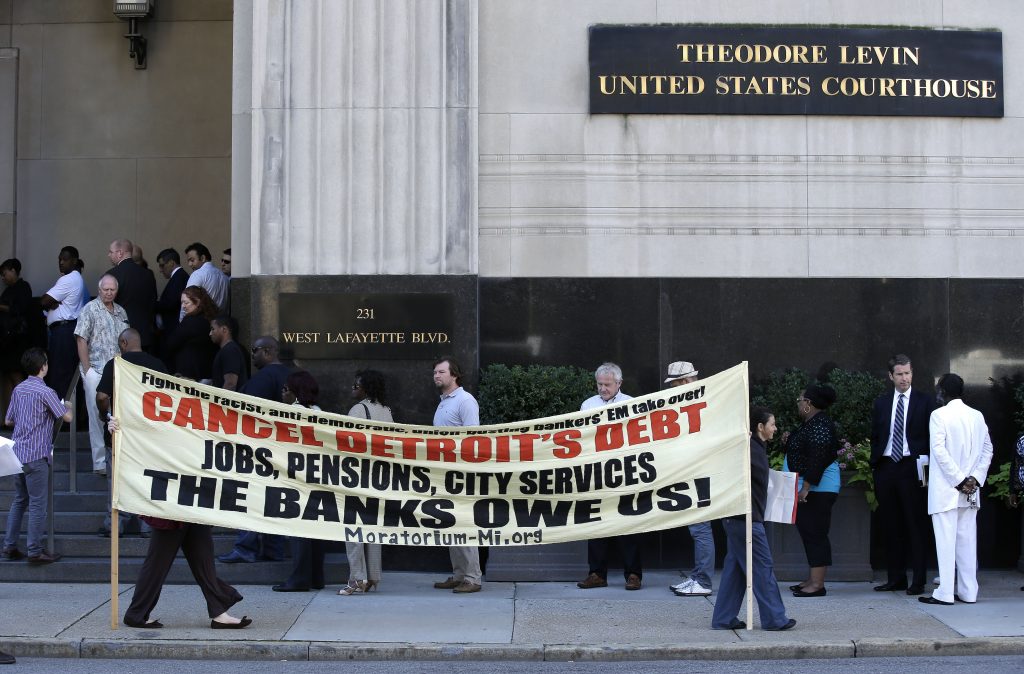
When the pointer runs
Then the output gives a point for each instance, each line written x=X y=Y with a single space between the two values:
x=33 y=492
x=732 y=585
x=703 y=553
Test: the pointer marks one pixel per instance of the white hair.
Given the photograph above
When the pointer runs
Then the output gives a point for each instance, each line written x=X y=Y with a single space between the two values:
x=609 y=368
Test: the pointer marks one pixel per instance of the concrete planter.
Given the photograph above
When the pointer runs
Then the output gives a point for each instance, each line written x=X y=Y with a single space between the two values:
x=850 y=535
x=557 y=562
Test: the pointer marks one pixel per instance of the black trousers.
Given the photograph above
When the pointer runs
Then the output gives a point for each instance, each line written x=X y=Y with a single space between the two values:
x=308 y=570
x=62 y=357
x=813 y=520
x=903 y=512
x=629 y=546
x=196 y=541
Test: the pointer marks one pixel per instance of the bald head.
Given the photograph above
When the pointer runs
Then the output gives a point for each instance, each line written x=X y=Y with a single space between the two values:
x=120 y=249
x=129 y=340
x=264 y=351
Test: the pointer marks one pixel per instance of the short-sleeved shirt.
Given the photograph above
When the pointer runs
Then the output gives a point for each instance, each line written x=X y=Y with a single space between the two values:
x=268 y=382
x=230 y=359
x=101 y=328
x=69 y=292
x=596 y=401
x=369 y=409
x=33 y=409
x=458 y=408
x=215 y=282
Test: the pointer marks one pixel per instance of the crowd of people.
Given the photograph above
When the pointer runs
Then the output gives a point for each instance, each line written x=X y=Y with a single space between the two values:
x=187 y=330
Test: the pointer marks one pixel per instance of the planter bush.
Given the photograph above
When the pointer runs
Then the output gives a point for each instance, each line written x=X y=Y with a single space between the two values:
x=511 y=394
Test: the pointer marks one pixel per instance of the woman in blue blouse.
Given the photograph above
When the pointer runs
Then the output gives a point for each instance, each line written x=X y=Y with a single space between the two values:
x=811 y=452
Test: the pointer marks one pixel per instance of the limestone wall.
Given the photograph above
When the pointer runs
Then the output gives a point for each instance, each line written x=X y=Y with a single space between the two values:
x=563 y=193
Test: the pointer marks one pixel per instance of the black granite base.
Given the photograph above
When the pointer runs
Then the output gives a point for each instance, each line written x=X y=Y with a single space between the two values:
x=968 y=326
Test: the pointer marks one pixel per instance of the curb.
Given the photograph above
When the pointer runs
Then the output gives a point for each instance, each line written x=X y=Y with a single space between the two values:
x=875 y=648
x=169 y=649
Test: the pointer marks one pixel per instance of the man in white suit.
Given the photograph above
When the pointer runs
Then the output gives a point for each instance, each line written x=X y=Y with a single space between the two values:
x=961 y=452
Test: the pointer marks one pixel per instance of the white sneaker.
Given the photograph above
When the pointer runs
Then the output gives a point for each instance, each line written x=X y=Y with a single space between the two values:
x=691 y=588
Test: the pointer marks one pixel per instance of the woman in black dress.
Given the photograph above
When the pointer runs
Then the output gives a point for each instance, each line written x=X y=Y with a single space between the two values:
x=190 y=352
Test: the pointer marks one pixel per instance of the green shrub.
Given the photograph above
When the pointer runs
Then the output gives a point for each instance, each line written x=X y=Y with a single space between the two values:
x=855 y=394
x=1018 y=397
x=511 y=394
x=778 y=392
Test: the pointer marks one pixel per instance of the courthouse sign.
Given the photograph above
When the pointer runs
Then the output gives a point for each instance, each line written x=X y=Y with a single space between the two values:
x=687 y=69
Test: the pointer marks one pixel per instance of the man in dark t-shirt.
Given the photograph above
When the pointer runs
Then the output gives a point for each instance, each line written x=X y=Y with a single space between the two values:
x=231 y=364
x=267 y=383
x=130 y=344
x=272 y=375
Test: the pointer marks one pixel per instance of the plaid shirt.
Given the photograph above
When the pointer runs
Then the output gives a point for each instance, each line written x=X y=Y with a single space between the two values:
x=34 y=407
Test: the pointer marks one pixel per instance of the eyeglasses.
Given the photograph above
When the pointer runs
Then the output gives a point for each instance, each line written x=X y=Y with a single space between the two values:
x=223 y=261
x=355 y=386
x=257 y=349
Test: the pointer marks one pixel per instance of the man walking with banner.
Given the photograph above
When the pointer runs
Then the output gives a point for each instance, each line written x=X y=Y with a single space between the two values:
x=736 y=569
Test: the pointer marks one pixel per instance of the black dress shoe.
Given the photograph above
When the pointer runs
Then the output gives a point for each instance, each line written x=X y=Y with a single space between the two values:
x=6 y=659
x=816 y=593
x=246 y=621
x=914 y=590
x=150 y=625
x=794 y=588
x=289 y=588
x=891 y=587
x=933 y=600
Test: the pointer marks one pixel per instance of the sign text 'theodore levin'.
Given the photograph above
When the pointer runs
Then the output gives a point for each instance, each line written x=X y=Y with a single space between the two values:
x=687 y=69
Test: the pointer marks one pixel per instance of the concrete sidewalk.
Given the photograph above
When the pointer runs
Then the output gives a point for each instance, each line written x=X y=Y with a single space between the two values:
x=410 y=620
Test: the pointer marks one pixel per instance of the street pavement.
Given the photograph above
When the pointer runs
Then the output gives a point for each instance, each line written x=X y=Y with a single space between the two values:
x=409 y=620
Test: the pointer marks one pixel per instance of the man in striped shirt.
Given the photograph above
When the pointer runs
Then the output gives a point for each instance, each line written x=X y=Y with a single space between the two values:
x=34 y=407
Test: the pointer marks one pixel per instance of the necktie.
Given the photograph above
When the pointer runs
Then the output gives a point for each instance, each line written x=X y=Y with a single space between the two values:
x=897 y=432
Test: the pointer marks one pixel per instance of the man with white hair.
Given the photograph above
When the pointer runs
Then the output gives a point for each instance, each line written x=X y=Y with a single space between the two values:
x=96 y=333
x=608 y=378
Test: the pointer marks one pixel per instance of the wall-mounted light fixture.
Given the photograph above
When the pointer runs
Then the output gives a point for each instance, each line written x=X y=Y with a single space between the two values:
x=133 y=12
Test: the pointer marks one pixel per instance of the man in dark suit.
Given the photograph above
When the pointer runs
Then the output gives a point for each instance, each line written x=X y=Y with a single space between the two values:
x=168 y=306
x=899 y=435
x=136 y=290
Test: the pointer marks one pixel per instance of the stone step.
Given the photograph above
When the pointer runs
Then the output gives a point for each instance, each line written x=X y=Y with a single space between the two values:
x=86 y=481
x=97 y=570
x=130 y=545
x=64 y=502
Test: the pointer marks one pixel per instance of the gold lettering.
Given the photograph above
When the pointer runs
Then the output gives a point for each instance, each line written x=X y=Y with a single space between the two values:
x=604 y=90
x=301 y=337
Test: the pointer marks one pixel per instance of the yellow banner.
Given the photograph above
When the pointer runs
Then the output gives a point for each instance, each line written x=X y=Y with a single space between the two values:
x=196 y=453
